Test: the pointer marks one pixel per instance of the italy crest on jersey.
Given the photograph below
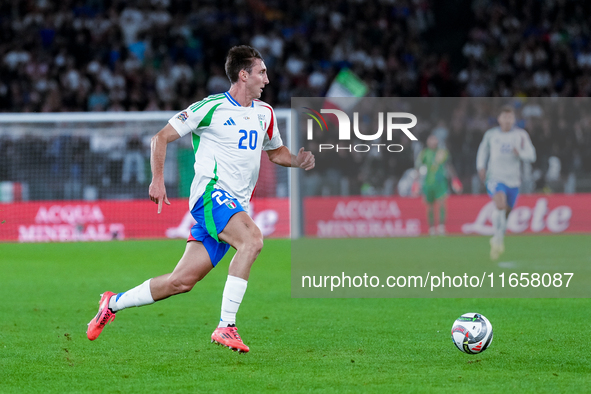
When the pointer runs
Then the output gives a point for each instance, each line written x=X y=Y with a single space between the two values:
x=263 y=122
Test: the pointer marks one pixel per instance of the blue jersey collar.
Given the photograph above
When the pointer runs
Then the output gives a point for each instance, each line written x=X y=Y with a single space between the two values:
x=233 y=100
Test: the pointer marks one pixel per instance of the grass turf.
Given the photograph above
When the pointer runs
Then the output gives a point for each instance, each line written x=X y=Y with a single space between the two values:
x=50 y=292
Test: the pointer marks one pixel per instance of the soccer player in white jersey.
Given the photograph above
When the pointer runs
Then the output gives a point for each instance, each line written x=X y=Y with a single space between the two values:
x=498 y=162
x=229 y=131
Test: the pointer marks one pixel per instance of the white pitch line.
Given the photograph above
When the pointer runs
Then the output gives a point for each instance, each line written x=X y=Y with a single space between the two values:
x=507 y=264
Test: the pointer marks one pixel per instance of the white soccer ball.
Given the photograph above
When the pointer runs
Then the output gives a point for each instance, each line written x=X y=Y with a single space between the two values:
x=472 y=333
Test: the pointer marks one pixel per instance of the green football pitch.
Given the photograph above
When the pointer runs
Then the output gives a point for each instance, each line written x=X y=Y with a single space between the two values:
x=49 y=292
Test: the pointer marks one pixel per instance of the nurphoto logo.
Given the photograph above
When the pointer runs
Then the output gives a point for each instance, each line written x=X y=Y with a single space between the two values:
x=344 y=128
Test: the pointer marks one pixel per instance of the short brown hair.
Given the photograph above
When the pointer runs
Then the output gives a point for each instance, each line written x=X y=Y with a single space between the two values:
x=507 y=108
x=240 y=58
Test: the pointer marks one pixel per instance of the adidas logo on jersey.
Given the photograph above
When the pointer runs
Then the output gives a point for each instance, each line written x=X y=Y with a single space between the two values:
x=230 y=122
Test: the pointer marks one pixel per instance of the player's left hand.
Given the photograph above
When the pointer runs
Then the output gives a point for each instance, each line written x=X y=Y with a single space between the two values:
x=515 y=152
x=305 y=160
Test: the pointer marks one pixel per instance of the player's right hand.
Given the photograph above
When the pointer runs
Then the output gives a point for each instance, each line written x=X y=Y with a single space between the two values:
x=305 y=159
x=157 y=192
x=482 y=174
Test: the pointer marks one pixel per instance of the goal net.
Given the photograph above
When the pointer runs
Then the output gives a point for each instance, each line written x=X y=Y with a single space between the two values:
x=66 y=170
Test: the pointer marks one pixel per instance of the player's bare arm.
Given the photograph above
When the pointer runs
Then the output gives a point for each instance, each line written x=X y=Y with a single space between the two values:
x=283 y=157
x=482 y=157
x=482 y=174
x=526 y=151
x=158 y=145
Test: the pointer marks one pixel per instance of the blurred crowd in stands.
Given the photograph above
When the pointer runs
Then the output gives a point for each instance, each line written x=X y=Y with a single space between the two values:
x=164 y=54
x=117 y=55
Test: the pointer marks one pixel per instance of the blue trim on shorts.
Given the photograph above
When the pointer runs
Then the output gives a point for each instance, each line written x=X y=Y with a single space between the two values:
x=493 y=187
x=221 y=216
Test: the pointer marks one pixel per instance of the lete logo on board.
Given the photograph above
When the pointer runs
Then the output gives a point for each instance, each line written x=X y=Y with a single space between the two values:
x=523 y=217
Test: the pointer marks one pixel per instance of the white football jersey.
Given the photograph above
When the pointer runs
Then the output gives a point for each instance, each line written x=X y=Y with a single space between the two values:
x=227 y=141
x=495 y=153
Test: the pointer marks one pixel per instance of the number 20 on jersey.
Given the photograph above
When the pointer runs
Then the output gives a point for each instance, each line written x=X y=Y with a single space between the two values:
x=252 y=138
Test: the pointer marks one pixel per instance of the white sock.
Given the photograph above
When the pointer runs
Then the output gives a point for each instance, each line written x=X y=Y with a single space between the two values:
x=495 y=222
x=231 y=299
x=502 y=225
x=138 y=296
x=499 y=220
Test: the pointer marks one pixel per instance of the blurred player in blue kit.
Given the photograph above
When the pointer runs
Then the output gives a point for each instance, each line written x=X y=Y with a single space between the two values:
x=498 y=162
